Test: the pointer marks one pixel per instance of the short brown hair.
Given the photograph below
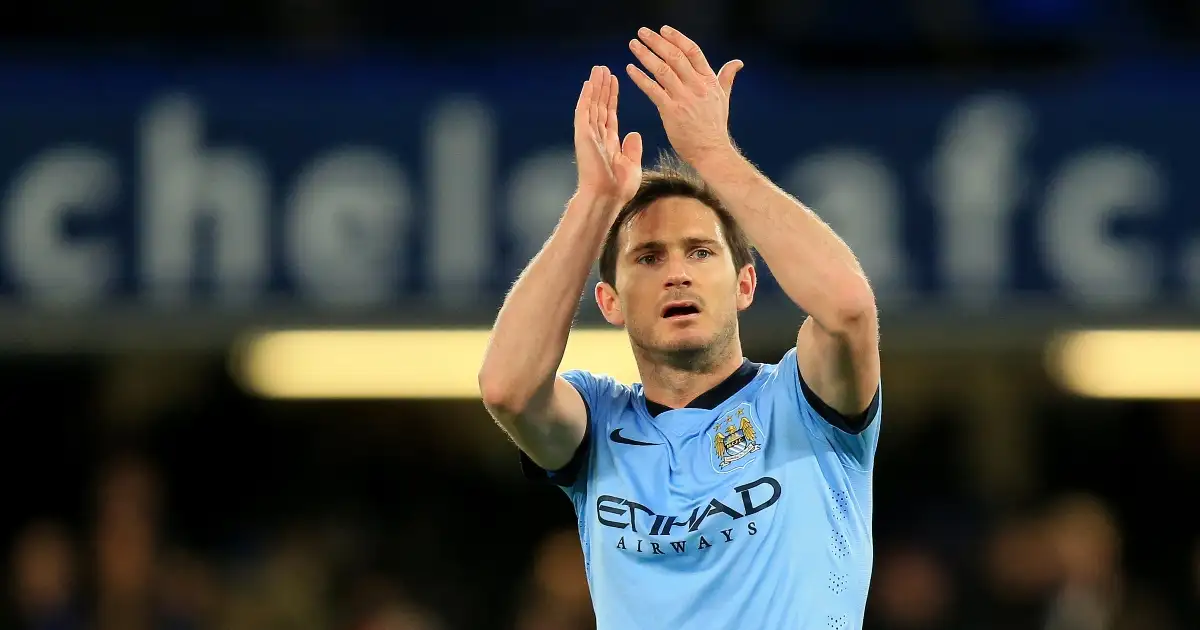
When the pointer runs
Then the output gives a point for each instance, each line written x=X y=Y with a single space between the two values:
x=672 y=177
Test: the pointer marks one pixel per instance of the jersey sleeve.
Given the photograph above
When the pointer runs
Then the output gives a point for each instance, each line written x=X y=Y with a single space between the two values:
x=596 y=392
x=855 y=438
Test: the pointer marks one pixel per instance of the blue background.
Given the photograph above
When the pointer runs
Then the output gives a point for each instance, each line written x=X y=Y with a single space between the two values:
x=287 y=115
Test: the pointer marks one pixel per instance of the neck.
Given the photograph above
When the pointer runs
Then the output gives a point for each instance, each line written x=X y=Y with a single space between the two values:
x=676 y=379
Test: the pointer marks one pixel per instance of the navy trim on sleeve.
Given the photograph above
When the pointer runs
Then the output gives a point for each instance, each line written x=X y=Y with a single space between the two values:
x=567 y=475
x=854 y=424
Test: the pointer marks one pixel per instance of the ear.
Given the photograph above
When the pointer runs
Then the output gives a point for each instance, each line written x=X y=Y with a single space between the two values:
x=610 y=305
x=746 y=284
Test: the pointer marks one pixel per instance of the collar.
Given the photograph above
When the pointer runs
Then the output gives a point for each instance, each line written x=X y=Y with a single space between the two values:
x=718 y=394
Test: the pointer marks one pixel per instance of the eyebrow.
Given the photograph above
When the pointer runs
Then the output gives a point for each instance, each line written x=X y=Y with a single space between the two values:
x=692 y=241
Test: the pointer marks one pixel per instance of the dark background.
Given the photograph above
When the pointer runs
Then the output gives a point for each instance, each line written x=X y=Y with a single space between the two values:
x=145 y=490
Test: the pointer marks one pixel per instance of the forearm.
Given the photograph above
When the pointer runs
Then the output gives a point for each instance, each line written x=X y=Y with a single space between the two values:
x=815 y=267
x=530 y=333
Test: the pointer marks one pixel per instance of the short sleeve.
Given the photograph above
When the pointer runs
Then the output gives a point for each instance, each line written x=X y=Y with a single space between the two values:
x=594 y=391
x=854 y=440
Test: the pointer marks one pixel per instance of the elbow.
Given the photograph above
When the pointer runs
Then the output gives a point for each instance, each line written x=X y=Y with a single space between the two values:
x=497 y=394
x=856 y=311
x=501 y=394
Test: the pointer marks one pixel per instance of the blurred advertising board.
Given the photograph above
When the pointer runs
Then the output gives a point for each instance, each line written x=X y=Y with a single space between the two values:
x=410 y=190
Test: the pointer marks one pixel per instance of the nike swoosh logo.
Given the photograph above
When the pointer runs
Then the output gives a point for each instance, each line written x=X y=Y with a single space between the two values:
x=620 y=439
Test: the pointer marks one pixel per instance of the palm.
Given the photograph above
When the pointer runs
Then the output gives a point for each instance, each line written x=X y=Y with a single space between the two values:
x=607 y=167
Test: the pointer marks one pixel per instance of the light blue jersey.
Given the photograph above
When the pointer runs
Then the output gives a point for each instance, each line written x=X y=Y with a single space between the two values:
x=751 y=508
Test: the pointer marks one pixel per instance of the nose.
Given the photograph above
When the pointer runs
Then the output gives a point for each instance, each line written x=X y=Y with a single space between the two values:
x=677 y=275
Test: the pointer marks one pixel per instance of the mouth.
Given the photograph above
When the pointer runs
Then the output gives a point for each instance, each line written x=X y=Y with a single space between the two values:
x=680 y=310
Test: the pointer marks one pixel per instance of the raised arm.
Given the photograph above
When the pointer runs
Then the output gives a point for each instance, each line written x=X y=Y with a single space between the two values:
x=541 y=411
x=838 y=345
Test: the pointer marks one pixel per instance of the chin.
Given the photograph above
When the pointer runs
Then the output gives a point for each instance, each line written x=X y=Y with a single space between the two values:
x=685 y=341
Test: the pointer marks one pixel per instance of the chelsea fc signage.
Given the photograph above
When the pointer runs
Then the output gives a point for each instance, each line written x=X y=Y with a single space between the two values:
x=378 y=190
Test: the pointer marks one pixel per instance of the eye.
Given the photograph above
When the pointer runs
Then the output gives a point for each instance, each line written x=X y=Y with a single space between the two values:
x=647 y=259
x=702 y=253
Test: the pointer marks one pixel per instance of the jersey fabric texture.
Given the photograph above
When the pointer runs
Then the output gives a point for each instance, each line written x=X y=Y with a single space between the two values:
x=750 y=508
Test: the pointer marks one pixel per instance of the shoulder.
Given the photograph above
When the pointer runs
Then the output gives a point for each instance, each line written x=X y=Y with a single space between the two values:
x=786 y=377
x=854 y=438
x=605 y=400
x=602 y=394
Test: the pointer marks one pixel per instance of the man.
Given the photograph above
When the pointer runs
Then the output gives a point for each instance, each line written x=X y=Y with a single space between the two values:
x=717 y=493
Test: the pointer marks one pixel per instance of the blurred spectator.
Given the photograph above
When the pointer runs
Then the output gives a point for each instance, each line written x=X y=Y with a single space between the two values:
x=1086 y=545
x=912 y=589
x=1092 y=590
x=1019 y=574
x=556 y=596
x=45 y=579
x=382 y=604
x=190 y=589
x=287 y=588
x=126 y=540
x=129 y=576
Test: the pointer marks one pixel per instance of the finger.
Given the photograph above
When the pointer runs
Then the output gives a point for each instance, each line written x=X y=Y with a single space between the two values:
x=727 y=74
x=670 y=53
x=611 y=137
x=691 y=50
x=602 y=93
x=594 y=105
x=663 y=73
x=649 y=86
x=583 y=106
x=632 y=147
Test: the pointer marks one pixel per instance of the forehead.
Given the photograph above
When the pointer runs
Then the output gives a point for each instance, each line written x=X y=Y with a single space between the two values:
x=672 y=219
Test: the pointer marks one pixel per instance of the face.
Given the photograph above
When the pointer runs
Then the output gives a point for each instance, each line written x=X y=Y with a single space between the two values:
x=677 y=290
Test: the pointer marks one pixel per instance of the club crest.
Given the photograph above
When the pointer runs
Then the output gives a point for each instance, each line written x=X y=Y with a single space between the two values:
x=736 y=436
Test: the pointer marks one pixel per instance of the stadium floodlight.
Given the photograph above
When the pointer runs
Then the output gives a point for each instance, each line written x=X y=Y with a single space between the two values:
x=1127 y=364
x=382 y=364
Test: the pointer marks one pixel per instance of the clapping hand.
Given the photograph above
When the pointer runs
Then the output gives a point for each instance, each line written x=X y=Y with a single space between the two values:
x=609 y=169
x=692 y=100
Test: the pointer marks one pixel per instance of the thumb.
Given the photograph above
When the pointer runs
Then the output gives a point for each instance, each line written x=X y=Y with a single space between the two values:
x=727 y=73
x=631 y=148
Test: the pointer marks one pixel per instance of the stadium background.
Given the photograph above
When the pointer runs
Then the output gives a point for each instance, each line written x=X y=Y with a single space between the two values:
x=181 y=178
